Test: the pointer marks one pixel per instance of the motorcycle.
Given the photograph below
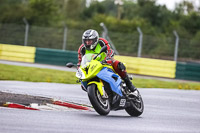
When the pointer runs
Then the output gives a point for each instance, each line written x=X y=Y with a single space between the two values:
x=106 y=90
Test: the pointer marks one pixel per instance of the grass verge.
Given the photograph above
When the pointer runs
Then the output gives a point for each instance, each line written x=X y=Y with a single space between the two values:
x=32 y=74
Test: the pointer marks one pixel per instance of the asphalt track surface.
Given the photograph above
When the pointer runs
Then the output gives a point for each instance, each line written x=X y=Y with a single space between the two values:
x=166 y=111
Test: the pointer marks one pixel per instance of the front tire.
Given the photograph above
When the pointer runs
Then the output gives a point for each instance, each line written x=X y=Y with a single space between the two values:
x=102 y=106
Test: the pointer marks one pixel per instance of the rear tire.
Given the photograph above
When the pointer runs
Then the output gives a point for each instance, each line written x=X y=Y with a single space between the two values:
x=136 y=108
x=102 y=106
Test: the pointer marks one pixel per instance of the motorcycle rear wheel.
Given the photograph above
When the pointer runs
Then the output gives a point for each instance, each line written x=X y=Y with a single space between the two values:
x=136 y=108
x=102 y=106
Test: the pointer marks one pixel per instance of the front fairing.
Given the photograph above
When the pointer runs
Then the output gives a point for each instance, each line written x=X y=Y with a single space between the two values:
x=92 y=68
x=113 y=79
x=89 y=68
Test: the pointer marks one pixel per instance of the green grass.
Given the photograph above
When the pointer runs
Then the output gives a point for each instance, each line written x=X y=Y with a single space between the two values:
x=20 y=73
x=154 y=83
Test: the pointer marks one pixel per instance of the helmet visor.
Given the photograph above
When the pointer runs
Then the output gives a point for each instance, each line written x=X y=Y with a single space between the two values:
x=88 y=42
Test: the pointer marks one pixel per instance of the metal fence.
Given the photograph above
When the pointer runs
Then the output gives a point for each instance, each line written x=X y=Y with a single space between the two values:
x=43 y=37
x=132 y=44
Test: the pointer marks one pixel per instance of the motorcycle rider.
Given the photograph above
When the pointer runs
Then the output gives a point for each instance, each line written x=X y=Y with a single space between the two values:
x=91 y=43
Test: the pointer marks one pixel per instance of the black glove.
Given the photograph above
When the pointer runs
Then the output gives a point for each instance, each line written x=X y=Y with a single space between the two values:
x=103 y=62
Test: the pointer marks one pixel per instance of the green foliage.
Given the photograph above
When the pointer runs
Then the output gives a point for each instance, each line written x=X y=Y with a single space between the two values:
x=42 y=12
x=191 y=23
x=156 y=21
x=95 y=8
x=73 y=9
x=151 y=12
x=12 y=11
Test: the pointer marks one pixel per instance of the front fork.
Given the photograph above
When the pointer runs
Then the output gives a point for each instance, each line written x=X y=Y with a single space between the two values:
x=100 y=87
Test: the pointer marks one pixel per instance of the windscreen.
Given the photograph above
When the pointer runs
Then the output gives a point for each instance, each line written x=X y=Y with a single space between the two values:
x=87 y=58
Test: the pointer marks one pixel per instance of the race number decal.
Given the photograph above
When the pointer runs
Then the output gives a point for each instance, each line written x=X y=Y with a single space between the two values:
x=122 y=102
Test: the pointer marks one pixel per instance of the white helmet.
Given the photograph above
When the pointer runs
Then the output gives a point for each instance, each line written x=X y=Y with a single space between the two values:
x=90 y=39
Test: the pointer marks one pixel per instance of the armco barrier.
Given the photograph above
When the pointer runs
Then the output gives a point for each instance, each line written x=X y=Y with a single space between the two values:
x=143 y=66
x=55 y=57
x=188 y=71
x=153 y=67
x=17 y=53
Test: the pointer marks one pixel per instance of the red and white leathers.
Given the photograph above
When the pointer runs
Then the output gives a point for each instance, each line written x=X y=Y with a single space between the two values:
x=117 y=66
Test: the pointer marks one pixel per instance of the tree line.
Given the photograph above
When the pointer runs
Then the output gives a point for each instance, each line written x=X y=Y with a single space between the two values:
x=156 y=21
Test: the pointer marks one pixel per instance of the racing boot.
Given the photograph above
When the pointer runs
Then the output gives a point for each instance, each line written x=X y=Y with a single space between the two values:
x=125 y=77
x=131 y=87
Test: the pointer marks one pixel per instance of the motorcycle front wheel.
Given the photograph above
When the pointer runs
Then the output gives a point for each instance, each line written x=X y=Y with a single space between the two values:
x=101 y=105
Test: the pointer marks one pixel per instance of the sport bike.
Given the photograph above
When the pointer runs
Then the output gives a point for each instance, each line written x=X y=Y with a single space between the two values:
x=106 y=90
